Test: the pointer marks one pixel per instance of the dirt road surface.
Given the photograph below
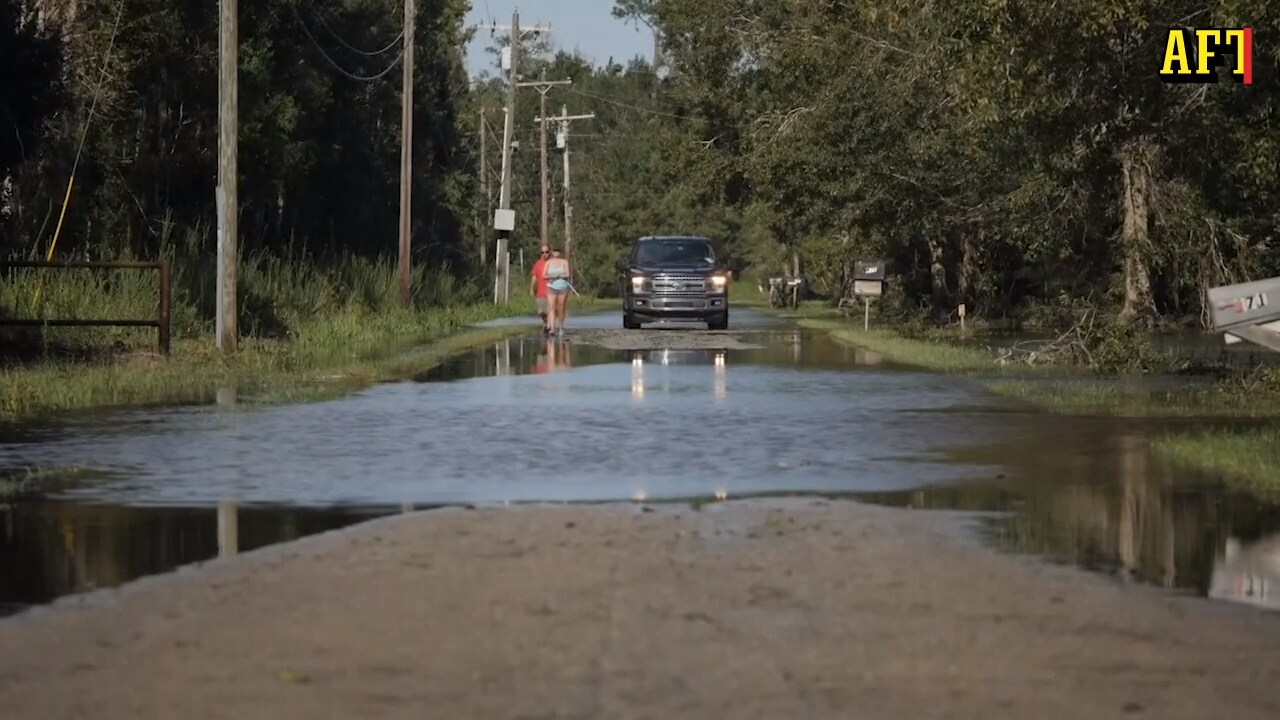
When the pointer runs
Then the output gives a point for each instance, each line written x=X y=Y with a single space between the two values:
x=754 y=609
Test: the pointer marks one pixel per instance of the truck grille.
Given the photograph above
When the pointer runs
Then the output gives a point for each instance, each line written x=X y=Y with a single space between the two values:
x=679 y=285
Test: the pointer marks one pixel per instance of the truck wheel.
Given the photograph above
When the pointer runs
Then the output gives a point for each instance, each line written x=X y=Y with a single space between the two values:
x=718 y=322
x=629 y=322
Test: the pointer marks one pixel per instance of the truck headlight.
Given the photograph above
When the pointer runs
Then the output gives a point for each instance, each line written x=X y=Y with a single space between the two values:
x=719 y=281
x=637 y=282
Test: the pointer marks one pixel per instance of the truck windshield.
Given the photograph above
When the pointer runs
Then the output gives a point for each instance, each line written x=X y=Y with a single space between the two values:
x=675 y=251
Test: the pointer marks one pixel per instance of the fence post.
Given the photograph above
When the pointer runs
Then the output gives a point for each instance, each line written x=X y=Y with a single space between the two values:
x=166 y=296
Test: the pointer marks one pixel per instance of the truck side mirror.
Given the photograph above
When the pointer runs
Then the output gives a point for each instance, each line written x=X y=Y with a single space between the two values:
x=622 y=265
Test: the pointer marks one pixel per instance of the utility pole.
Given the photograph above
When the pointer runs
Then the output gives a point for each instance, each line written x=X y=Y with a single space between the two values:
x=484 y=186
x=508 y=131
x=406 y=155
x=563 y=142
x=227 y=191
x=504 y=218
x=543 y=85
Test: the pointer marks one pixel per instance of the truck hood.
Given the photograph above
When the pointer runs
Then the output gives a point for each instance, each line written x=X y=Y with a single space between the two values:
x=674 y=268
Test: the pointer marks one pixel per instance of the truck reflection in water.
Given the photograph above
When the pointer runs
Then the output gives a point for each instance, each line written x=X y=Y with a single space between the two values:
x=666 y=357
x=1248 y=572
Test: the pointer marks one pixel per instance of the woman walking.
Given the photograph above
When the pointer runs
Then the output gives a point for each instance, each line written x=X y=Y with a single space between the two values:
x=559 y=277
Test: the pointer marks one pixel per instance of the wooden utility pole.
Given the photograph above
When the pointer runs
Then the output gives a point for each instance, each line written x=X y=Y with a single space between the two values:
x=227 y=191
x=406 y=156
x=568 y=204
x=563 y=142
x=543 y=85
x=484 y=187
x=504 y=220
x=508 y=131
x=542 y=142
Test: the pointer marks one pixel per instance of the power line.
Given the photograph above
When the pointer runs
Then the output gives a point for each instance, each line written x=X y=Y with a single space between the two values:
x=354 y=49
x=336 y=66
x=619 y=103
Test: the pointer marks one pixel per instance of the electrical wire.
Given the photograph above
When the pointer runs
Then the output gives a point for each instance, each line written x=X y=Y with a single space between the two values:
x=336 y=66
x=354 y=49
x=619 y=103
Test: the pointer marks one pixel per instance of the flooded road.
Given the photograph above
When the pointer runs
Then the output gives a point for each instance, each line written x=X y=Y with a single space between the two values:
x=609 y=415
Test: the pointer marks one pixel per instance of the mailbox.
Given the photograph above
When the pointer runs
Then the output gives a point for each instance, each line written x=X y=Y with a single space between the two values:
x=1251 y=303
x=869 y=270
x=868 y=278
x=1248 y=311
x=869 y=288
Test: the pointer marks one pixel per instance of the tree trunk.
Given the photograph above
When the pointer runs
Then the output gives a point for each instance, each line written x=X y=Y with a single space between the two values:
x=938 y=275
x=1136 y=194
x=968 y=268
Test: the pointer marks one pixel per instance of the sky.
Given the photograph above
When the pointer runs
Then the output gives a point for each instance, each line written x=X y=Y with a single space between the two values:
x=583 y=25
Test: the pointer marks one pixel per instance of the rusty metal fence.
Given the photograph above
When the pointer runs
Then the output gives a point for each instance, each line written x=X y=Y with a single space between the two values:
x=162 y=323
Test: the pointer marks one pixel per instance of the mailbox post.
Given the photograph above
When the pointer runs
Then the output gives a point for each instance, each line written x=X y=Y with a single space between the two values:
x=868 y=282
x=1248 y=311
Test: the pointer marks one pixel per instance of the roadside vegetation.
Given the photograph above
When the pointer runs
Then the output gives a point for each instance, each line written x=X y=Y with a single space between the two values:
x=1115 y=373
x=310 y=331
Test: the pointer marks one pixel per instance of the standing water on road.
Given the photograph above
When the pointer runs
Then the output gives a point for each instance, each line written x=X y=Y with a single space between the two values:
x=614 y=415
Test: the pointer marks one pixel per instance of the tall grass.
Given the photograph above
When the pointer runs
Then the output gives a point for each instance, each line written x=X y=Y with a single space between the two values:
x=297 y=318
x=278 y=297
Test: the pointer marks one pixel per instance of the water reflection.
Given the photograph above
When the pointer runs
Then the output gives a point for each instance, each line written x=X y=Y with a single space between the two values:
x=228 y=530
x=49 y=549
x=525 y=355
x=1248 y=572
x=637 y=379
x=720 y=387
x=555 y=355
x=665 y=358
x=1119 y=509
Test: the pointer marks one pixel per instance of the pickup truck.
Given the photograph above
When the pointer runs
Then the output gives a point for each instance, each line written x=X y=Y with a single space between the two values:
x=676 y=277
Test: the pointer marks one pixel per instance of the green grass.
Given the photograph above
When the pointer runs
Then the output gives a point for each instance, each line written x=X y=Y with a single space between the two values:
x=1248 y=460
x=328 y=356
x=308 y=331
x=925 y=353
x=1136 y=399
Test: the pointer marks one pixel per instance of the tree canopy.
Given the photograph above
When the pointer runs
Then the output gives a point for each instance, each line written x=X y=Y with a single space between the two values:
x=999 y=154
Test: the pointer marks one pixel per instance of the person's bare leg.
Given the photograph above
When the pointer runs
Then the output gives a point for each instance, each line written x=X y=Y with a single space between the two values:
x=562 y=314
x=551 y=313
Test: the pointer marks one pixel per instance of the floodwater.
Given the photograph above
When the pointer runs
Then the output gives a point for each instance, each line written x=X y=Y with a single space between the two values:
x=762 y=409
